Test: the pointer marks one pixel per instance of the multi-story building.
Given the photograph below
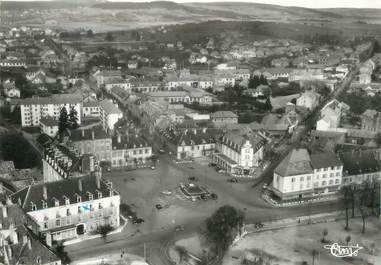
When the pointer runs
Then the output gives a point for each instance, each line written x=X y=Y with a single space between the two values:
x=70 y=208
x=224 y=117
x=91 y=109
x=130 y=150
x=145 y=85
x=196 y=81
x=104 y=76
x=239 y=152
x=49 y=126
x=360 y=166
x=309 y=99
x=117 y=82
x=109 y=114
x=94 y=141
x=301 y=175
x=33 y=109
x=63 y=162
x=187 y=95
x=371 y=120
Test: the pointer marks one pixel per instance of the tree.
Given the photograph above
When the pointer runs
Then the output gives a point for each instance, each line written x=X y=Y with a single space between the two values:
x=104 y=230
x=62 y=121
x=223 y=226
x=109 y=37
x=73 y=118
x=325 y=233
x=345 y=190
x=154 y=160
x=90 y=33
x=268 y=105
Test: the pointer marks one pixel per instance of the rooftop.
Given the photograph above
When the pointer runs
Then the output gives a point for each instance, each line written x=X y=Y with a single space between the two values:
x=325 y=160
x=359 y=162
x=109 y=107
x=53 y=99
x=297 y=162
x=94 y=133
x=48 y=121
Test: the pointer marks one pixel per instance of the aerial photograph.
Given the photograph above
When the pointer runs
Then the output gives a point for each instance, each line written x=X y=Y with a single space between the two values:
x=190 y=132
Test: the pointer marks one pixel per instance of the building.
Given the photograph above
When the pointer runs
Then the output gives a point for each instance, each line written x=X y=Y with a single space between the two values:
x=33 y=109
x=306 y=74
x=49 y=126
x=301 y=175
x=130 y=150
x=371 y=120
x=309 y=99
x=109 y=114
x=71 y=208
x=146 y=85
x=360 y=166
x=224 y=117
x=119 y=82
x=105 y=75
x=196 y=81
x=239 y=152
x=187 y=95
x=90 y=109
x=63 y=162
x=330 y=116
x=19 y=241
x=93 y=141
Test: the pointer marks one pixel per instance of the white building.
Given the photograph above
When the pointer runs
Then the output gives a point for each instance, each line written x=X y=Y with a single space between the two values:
x=49 y=126
x=330 y=116
x=109 y=114
x=91 y=109
x=302 y=175
x=240 y=152
x=33 y=109
x=309 y=100
x=68 y=209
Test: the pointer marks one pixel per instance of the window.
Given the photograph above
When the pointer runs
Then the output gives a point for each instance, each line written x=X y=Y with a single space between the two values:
x=79 y=199
x=45 y=225
x=331 y=182
x=324 y=176
x=67 y=212
x=331 y=175
x=338 y=174
x=292 y=179
x=58 y=222
x=337 y=181
x=301 y=178
x=324 y=183
x=308 y=177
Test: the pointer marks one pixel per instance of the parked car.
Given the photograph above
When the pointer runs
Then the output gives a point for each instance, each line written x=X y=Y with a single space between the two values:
x=212 y=164
x=161 y=151
x=204 y=197
x=166 y=192
x=258 y=225
x=265 y=185
x=158 y=206
x=153 y=167
x=138 y=221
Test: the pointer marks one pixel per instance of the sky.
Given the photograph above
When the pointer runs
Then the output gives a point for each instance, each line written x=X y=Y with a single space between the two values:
x=301 y=3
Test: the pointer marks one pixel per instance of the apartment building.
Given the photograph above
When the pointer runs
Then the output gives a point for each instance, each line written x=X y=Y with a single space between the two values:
x=63 y=162
x=94 y=141
x=70 y=208
x=371 y=120
x=109 y=114
x=301 y=175
x=187 y=95
x=224 y=117
x=239 y=152
x=130 y=150
x=33 y=109
x=49 y=126
x=91 y=109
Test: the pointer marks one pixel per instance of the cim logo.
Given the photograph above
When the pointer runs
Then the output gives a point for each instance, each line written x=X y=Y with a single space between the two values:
x=86 y=207
x=343 y=251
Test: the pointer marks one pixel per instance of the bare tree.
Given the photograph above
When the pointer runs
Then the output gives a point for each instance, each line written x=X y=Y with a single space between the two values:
x=325 y=233
x=345 y=190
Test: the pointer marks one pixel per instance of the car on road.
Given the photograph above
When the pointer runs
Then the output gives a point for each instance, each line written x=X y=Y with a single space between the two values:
x=213 y=196
x=166 y=192
x=233 y=180
x=158 y=206
x=138 y=221
x=204 y=197
x=161 y=151
x=179 y=228
x=153 y=167
x=192 y=178
x=265 y=185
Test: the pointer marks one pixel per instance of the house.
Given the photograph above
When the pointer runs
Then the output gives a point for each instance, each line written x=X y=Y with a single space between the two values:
x=239 y=151
x=130 y=150
x=145 y=85
x=301 y=175
x=49 y=126
x=196 y=81
x=104 y=75
x=109 y=114
x=273 y=73
x=330 y=115
x=309 y=99
x=33 y=109
x=223 y=117
x=360 y=166
x=119 y=82
x=71 y=208
x=186 y=95
x=93 y=141
x=12 y=92
x=306 y=74
x=36 y=76
x=371 y=120
x=224 y=78
x=280 y=62
x=91 y=109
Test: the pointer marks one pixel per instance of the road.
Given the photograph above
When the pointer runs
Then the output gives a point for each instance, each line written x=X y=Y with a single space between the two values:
x=255 y=209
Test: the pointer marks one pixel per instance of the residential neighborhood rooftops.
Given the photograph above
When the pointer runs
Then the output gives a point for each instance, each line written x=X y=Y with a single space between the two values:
x=121 y=142
x=53 y=99
x=109 y=107
x=223 y=114
x=325 y=160
x=48 y=121
x=359 y=162
x=94 y=133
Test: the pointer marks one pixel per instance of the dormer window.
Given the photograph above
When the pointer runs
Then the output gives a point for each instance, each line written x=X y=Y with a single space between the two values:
x=90 y=196
x=99 y=194
x=44 y=204
x=67 y=201
x=78 y=198
x=33 y=206
x=56 y=202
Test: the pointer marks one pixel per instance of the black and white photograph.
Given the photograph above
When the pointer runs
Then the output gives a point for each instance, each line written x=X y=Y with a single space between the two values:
x=190 y=132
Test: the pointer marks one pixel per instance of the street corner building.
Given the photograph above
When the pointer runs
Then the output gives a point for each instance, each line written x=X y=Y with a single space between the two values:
x=70 y=209
x=303 y=175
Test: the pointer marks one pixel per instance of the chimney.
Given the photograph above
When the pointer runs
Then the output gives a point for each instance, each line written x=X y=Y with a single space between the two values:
x=98 y=181
x=83 y=133
x=119 y=138
x=79 y=184
x=92 y=134
x=45 y=192
x=4 y=211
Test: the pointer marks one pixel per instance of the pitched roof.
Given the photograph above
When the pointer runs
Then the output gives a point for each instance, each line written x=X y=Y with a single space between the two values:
x=54 y=99
x=48 y=121
x=109 y=107
x=325 y=160
x=223 y=114
x=359 y=162
x=297 y=162
x=87 y=134
x=235 y=139
x=58 y=189
x=128 y=142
